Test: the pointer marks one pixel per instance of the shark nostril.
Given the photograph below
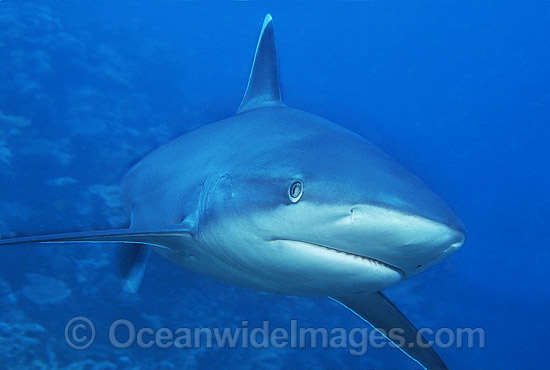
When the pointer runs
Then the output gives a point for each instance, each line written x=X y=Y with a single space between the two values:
x=351 y=215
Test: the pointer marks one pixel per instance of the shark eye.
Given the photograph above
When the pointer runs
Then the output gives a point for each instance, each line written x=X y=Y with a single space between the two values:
x=295 y=191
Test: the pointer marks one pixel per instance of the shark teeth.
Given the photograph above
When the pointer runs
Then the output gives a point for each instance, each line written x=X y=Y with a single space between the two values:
x=358 y=256
x=371 y=260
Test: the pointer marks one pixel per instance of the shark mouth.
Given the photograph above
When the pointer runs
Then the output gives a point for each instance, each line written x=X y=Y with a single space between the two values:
x=370 y=260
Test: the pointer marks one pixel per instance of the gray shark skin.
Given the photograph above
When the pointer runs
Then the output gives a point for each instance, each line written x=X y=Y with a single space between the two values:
x=283 y=201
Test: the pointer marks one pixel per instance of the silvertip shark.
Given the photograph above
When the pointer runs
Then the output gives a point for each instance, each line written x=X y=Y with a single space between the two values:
x=283 y=201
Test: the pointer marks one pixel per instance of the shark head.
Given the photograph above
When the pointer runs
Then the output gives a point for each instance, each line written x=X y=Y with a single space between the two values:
x=311 y=195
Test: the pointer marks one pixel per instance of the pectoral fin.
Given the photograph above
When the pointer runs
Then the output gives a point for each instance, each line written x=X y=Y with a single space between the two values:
x=174 y=240
x=379 y=312
x=133 y=258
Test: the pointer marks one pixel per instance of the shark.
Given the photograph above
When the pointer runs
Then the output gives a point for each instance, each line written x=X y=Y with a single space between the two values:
x=283 y=201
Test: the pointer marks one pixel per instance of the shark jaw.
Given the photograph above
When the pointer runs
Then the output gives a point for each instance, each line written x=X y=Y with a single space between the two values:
x=311 y=269
x=343 y=256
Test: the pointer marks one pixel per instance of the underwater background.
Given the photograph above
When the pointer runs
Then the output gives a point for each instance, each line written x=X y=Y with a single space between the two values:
x=457 y=92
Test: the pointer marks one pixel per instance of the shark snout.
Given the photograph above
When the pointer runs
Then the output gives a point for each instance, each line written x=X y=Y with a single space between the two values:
x=408 y=241
x=451 y=239
x=459 y=237
x=456 y=239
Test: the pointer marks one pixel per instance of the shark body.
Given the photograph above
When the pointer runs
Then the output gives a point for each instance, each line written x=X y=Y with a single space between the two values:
x=283 y=201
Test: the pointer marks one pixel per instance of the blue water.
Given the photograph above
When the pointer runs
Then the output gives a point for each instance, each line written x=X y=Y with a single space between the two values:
x=459 y=93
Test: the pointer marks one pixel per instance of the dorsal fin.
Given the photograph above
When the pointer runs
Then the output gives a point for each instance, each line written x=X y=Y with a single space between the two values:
x=263 y=83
